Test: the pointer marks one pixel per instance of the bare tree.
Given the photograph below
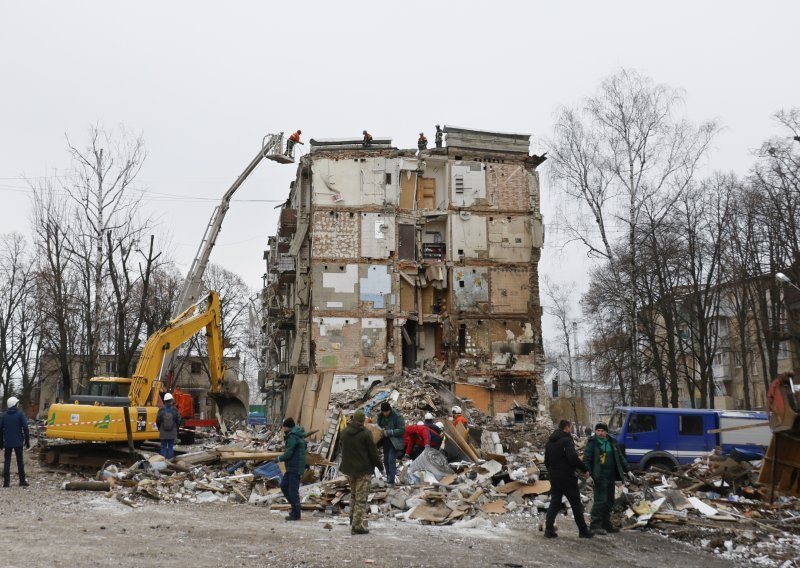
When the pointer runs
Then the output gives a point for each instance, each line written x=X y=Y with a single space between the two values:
x=559 y=299
x=131 y=292
x=55 y=282
x=15 y=290
x=620 y=150
x=100 y=188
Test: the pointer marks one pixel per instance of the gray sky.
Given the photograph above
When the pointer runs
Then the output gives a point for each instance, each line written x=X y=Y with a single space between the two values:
x=203 y=82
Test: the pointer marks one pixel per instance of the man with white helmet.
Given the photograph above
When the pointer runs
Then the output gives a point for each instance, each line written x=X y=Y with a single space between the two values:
x=458 y=418
x=434 y=431
x=13 y=433
x=168 y=420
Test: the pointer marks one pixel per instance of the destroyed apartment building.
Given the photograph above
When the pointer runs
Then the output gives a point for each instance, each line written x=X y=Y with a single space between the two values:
x=386 y=258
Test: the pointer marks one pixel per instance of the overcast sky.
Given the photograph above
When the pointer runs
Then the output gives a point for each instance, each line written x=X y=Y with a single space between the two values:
x=203 y=82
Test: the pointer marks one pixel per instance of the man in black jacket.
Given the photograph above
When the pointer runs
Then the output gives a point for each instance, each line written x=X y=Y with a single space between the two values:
x=561 y=462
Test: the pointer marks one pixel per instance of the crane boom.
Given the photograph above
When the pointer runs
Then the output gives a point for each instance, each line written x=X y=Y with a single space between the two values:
x=194 y=278
x=271 y=146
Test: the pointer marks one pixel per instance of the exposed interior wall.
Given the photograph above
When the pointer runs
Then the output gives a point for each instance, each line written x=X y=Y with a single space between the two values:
x=410 y=256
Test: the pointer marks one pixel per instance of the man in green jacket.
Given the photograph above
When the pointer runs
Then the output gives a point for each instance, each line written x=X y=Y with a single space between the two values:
x=359 y=460
x=607 y=465
x=294 y=456
x=394 y=428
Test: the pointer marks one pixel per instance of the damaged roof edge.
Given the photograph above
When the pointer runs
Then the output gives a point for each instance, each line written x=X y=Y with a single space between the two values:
x=484 y=140
x=460 y=130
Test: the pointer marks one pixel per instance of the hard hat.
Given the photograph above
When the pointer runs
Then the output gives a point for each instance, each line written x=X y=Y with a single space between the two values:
x=420 y=423
x=12 y=401
x=456 y=410
x=428 y=416
x=440 y=425
x=167 y=397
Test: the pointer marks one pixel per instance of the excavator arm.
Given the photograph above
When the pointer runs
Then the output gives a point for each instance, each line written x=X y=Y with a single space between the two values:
x=146 y=378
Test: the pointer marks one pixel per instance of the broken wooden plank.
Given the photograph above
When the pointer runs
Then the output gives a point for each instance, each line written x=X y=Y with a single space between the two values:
x=495 y=507
x=87 y=486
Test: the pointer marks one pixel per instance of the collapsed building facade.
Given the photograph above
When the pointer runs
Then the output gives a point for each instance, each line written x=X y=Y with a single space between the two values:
x=385 y=258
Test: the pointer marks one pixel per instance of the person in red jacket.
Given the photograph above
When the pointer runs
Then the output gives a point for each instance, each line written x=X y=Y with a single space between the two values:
x=416 y=440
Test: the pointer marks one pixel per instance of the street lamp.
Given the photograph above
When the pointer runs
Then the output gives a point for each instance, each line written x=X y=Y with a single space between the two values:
x=781 y=277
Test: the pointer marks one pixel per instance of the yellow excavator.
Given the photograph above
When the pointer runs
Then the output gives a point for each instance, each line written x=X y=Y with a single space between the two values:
x=120 y=409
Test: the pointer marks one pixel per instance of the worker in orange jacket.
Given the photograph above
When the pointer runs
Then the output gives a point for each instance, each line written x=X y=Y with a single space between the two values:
x=416 y=439
x=459 y=418
x=293 y=139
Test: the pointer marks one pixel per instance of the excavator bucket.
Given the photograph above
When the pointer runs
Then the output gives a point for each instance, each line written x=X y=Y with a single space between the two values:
x=783 y=401
x=233 y=400
x=780 y=471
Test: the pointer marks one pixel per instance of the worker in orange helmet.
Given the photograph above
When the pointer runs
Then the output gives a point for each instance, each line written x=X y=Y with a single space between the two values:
x=293 y=139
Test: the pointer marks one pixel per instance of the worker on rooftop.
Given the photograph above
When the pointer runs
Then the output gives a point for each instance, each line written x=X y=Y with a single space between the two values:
x=367 y=143
x=422 y=142
x=439 y=136
x=293 y=139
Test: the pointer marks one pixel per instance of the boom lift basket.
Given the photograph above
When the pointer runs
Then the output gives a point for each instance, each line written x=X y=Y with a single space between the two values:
x=274 y=149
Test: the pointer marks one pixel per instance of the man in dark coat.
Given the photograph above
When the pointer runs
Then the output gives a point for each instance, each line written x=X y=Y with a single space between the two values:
x=294 y=456
x=168 y=420
x=607 y=465
x=359 y=460
x=13 y=433
x=394 y=428
x=561 y=462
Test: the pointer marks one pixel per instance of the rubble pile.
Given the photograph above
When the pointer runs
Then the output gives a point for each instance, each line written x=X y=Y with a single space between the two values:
x=715 y=503
x=495 y=470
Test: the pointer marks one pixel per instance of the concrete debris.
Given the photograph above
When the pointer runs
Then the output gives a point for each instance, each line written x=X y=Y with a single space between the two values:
x=493 y=470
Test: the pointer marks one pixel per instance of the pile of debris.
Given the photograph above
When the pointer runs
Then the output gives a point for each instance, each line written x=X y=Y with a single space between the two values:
x=715 y=502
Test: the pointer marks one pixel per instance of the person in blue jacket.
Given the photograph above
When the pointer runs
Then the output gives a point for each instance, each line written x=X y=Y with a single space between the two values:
x=13 y=433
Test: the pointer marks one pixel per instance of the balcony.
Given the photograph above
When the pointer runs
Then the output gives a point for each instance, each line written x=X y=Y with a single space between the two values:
x=287 y=225
x=434 y=252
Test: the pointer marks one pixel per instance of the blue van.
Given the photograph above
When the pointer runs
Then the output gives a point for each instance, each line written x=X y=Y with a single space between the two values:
x=669 y=437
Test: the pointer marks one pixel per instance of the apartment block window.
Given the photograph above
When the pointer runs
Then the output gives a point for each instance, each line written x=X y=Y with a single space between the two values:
x=783 y=350
x=737 y=359
x=196 y=368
